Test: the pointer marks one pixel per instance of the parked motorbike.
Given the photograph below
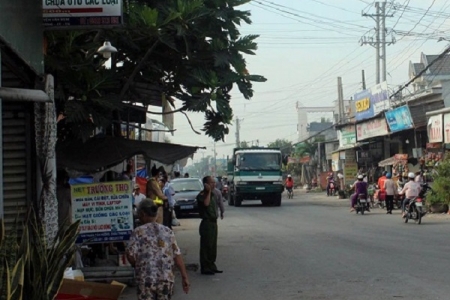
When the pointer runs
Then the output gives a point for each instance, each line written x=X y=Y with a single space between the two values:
x=361 y=204
x=414 y=209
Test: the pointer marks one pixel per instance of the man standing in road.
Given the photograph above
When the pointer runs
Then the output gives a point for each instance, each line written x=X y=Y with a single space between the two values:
x=207 y=207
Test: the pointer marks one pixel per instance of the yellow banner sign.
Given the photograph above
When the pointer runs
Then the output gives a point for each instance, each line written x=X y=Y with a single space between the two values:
x=362 y=105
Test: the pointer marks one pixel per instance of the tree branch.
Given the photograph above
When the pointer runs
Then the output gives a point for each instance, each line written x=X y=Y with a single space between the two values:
x=190 y=123
x=137 y=69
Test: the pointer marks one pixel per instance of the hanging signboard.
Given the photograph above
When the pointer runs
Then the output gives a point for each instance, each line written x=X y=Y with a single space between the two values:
x=347 y=136
x=104 y=211
x=59 y=14
x=447 y=128
x=372 y=128
x=434 y=129
x=372 y=101
x=399 y=119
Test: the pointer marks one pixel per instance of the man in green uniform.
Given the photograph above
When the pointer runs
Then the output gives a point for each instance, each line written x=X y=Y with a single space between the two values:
x=206 y=201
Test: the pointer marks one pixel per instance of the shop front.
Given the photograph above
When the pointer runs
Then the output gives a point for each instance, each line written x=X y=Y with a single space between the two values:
x=344 y=158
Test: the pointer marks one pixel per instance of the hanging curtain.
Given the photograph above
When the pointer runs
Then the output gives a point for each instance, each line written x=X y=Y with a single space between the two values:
x=45 y=126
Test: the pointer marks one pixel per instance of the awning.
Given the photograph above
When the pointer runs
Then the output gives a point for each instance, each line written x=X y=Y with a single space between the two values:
x=98 y=153
x=387 y=162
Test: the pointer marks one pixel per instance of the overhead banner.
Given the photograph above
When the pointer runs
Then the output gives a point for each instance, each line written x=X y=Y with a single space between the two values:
x=371 y=128
x=82 y=13
x=434 y=129
x=372 y=101
x=399 y=119
x=104 y=211
x=447 y=128
x=347 y=136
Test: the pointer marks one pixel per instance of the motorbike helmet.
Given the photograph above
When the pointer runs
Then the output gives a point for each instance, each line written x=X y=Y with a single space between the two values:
x=411 y=175
x=289 y=176
x=389 y=175
x=360 y=177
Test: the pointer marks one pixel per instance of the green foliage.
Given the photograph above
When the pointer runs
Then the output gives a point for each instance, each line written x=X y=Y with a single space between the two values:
x=189 y=50
x=306 y=148
x=441 y=183
x=284 y=145
x=31 y=268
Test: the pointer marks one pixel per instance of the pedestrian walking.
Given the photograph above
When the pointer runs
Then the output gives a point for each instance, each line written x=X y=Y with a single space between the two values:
x=170 y=203
x=390 y=188
x=154 y=192
x=153 y=252
x=207 y=206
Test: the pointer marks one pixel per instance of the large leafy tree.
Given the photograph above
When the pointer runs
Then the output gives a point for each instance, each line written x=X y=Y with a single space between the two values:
x=284 y=145
x=188 y=51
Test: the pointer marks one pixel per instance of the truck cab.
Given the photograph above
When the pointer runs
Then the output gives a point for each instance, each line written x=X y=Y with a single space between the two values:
x=255 y=174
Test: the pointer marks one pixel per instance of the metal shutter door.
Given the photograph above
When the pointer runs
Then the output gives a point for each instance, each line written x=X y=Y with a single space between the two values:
x=16 y=161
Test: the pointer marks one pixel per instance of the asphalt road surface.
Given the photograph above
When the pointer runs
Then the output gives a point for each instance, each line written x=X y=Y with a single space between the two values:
x=312 y=247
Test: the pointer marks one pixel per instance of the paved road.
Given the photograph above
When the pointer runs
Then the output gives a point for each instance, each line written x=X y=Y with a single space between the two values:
x=313 y=248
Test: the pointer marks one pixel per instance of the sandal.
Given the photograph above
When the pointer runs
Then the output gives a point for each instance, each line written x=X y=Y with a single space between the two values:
x=352 y=209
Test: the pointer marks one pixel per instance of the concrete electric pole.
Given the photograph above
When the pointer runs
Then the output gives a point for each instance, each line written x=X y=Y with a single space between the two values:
x=380 y=42
x=238 y=127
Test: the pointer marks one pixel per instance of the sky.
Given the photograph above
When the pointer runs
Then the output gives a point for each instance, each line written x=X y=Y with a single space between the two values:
x=304 y=45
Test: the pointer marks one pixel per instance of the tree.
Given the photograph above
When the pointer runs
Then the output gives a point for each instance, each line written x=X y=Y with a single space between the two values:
x=284 y=145
x=189 y=52
x=244 y=144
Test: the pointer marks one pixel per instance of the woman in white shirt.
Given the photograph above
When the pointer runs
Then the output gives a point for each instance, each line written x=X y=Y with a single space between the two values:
x=391 y=190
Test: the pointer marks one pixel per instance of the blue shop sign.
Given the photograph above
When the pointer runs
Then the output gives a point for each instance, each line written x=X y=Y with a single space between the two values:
x=399 y=119
x=371 y=102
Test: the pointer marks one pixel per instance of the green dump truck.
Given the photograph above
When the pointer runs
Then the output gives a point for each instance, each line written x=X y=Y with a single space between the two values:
x=255 y=174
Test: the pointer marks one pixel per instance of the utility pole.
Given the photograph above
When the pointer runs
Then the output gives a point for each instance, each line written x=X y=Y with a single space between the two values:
x=215 y=160
x=238 y=127
x=340 y=101
x=380 y=42
x=363 y=80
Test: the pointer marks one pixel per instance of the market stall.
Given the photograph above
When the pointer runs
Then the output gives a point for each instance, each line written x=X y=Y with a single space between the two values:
x=104 y=204
x=398 y=162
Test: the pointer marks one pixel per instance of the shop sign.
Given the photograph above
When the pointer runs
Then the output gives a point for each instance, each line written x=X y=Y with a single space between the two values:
x=372 y=128
x=447 y=128
x=305 y=159
x=434 y=129
x=399 y=119
x=350 y=172
x=372 y=101
x=350 y=155
x=104 y=211
x=347 y=136
x=82 y=13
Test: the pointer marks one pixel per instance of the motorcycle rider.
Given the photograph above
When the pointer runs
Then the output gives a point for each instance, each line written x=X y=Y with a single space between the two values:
x=382 y=192
x=289 y=183
x=411 y=190
x=330 y=181
x=360 y=187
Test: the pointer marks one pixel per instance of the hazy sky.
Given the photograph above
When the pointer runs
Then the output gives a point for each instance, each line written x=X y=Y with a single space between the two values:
x=304 y=45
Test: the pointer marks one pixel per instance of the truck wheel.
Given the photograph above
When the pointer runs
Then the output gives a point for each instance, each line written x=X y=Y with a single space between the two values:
x=237 y=201
x=230 y=199
x=265 y=201
x=277 y=200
